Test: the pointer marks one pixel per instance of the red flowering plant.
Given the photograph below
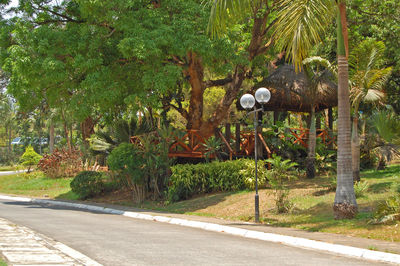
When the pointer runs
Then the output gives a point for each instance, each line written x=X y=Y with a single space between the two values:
x=61 y=163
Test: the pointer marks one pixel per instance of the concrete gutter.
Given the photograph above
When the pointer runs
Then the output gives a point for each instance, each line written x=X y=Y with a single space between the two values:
x=276 y=238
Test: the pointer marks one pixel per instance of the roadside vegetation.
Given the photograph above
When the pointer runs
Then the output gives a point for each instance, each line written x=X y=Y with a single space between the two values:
x=2 y=262
x=143 y=108
x=311 y=201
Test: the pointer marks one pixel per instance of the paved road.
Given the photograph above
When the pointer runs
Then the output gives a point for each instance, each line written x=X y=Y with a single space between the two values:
x=117 y=240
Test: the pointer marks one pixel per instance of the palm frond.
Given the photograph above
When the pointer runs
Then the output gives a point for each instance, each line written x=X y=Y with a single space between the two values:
x=374 y=96
x=300 y=26
x=224 y=12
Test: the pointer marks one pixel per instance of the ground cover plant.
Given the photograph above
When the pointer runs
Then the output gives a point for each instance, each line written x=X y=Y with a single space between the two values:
x=312 y=200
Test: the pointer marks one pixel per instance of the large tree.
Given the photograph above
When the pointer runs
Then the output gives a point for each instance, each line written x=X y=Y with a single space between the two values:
x=94 y=58
x=299 y=27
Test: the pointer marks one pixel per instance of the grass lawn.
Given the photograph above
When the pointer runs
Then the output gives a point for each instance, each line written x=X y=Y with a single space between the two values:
x=36 y=184
x=10 y=168
x=2 y=262
x=311 y=197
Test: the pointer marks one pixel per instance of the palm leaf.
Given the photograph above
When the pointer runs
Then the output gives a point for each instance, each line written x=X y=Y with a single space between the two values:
x=224 y=12
x=300 y=25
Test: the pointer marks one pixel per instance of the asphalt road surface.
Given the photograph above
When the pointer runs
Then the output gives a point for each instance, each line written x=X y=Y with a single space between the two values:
x=118 y=240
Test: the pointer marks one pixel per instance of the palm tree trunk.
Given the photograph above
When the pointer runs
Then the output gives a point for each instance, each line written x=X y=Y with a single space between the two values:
x=345 y=205
x=312 y=140
x=355 y=150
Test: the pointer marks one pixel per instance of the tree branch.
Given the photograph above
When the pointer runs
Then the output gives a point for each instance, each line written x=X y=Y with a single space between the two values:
x=218 y=82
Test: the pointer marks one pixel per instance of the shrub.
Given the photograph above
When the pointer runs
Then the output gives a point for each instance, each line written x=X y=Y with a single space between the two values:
x=61 y=163
x=128 y=163
x=188 y=180
x=388 y=211
x=88 y=184
x=277 y=178
x=360 y=188
x=30 y=158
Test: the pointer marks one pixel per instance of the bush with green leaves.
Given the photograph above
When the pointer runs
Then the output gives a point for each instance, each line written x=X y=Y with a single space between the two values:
x=388 y=211
x=128 y=162
x=190 y=179
x=88 y=184
x=360 y=188
x=30 y=158
x=278 y=177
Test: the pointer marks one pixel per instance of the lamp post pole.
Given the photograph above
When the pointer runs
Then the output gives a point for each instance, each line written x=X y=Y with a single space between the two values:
x=256 y=198
x=247 y=101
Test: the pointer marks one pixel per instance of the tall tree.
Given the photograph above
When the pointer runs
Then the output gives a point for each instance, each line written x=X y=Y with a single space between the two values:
x=317 y=70
x=298 y=28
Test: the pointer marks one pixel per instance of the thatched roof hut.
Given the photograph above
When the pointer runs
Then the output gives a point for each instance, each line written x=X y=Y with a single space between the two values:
x=290 y=91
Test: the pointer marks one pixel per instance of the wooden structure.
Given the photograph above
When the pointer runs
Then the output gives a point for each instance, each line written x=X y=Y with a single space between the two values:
x=301 y=136
x=241 y=144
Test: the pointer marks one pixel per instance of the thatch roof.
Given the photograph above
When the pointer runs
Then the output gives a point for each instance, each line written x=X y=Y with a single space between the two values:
x=290 y=91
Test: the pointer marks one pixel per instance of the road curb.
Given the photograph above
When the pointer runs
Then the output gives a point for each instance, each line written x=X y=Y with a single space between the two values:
x=270 y=237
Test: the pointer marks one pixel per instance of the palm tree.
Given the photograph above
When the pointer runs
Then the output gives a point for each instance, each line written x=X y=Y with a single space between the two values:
x=367 y=82
x=317 y=70
x=299 y=26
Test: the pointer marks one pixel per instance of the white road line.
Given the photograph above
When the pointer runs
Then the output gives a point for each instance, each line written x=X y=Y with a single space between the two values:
x=270 y=237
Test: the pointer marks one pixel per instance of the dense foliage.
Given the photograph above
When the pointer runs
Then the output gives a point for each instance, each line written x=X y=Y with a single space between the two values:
x=88 y=184
x=30 y=158
x=193 y=179
x=61 y=163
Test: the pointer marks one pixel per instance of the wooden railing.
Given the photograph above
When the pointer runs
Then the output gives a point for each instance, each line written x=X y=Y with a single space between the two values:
x=192 y=144
x=301 y=136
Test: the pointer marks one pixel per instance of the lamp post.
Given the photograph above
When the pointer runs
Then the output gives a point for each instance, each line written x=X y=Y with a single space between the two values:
x=247 y=101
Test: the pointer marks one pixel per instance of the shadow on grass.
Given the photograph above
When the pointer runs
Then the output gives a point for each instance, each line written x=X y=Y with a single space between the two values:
x=380 y=187
x=390 y=171
x=191 y=205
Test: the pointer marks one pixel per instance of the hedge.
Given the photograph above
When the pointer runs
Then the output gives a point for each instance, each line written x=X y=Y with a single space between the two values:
x=188 y=180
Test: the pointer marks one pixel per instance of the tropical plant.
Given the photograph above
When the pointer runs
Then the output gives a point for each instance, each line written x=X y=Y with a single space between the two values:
x=127 y=161
x=30 y=158
x=88 y=184
x=388 y=210
x=278 y=177
x=299 y=25
x=214 y=147
x=317 y=70
x=387 y=123
x=360 y=188
x=120 y=131
x=61 y=163
x=367 y=83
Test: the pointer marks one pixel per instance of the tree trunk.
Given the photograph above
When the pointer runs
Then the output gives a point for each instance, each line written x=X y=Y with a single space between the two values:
x=232 y=90
x=345 y=205
x=312 y=141
x=196 y=75
x=66 y=135
x=51 y=137
x=355 y=150
x=87 y=128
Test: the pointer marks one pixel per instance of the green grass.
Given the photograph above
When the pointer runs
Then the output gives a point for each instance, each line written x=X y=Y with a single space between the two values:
x=311 y=197
x=2 y=262
x=37 y=185
x=10 y=168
